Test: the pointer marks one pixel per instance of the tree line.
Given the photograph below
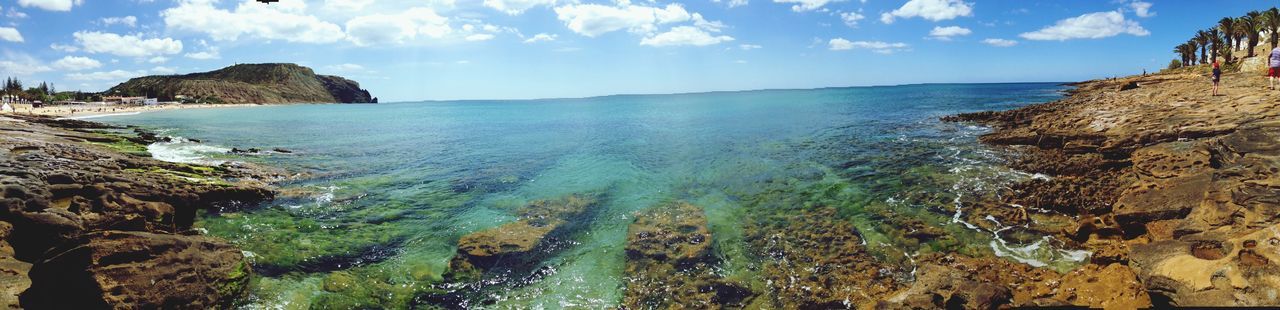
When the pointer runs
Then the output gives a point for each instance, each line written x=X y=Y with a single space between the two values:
x=1228 y=35
x=45 y=92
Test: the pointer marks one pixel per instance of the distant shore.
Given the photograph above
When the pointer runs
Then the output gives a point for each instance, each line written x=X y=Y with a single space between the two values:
x=83 y=111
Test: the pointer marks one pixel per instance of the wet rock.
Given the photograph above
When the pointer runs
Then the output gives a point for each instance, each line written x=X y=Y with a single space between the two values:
x=815 y=259
x=13 y=272
x=670 y=265
x=517 y=244
x=118 y=269
x=1113 y=286
x=282 y=151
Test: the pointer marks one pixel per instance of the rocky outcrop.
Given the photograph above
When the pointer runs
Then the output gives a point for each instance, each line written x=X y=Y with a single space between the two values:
x=99 y=225
x=670 y=264
x=249 y=83
x=1178 y=185
x=541 y=225
x=139 y=270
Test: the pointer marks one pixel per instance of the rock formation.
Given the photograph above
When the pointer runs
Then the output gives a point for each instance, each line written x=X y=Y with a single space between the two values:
x=102 y=228
x=670 y=264
x=248 y=83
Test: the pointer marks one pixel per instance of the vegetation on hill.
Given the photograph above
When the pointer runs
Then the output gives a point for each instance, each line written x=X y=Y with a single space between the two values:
x=248 y=83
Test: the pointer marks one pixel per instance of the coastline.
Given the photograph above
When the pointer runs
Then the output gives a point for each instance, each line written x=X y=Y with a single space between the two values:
x=77 y=196
x=89 y=111
x=1169 y=186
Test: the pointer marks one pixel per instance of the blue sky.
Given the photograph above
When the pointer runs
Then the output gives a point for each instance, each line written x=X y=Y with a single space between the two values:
x=506 y=49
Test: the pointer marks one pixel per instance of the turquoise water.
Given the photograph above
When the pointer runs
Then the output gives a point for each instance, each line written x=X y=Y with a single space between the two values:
x=386 y=190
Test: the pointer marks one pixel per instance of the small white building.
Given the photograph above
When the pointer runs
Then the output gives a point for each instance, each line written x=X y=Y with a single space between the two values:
x=6 y=108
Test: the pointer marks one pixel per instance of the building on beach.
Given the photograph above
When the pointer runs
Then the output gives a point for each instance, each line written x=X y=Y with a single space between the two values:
x=128 y=100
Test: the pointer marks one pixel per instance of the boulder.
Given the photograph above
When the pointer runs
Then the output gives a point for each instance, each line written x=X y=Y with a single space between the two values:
x=139 y=270
x=517 y=244
x=670 y=264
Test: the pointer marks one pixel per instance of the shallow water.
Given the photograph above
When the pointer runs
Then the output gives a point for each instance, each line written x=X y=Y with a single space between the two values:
x=391 y=187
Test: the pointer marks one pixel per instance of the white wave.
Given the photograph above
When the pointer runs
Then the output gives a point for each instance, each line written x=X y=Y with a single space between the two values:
x=180 y=150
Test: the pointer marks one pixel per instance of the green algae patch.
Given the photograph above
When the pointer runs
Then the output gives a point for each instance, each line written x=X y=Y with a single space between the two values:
x=124 y=146
x=281 y=243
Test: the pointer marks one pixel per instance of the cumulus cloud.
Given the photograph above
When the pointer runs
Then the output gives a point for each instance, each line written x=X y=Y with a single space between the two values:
x=158 y=60
x=541 y=37
x=397 y=28
x=840 y=44
x=64 y=48
x=163 y=70
x=210 y=53
x=479 y=37
x=805 y=5
x=285 y=20
x=1000 y=42
x=946 y=33
x=10 y=34
x=126 y=45
x=347 y=5
x=685 y=35
x=130 y=21
x=851 y=18
x=732 y=3
x=113 y=75
x=515 y=7
x=50 y=5
x=933 y=10
x=748 y=47
x=1142 y=9
x=76 y=63
x=22 y=64
x=593 y=19
x=1088 y=26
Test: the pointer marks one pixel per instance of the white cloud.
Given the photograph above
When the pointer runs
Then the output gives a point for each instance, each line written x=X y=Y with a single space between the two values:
x=76 y=63
x=593 y=19
x=515 y=7
x=399 y=28
x=10 y=34
x=732 y=3
x=1142 y=9
x=933 y=10
x=113 y=75
x=347 y=5
x=127 y=21
x=1000 y=42
x=748 y=47
x=51 y=5
x=840 y=44
x=805 y=5
x=1088 y=26
x=285 y=20
x=64 y=48
x=158 y=59
x=212 y=53
x=684 y=35
x=163 y=70
x=126 y=45
x=945 y=33
x=12 y=13
x=22 y=64
x=541 y=37
x=479 y=37
x=851 y=18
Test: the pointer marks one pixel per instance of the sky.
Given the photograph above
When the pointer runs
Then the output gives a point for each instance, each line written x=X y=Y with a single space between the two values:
x=521 y=49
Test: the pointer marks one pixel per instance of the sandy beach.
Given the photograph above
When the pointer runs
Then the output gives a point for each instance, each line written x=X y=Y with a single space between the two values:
x=83 y=111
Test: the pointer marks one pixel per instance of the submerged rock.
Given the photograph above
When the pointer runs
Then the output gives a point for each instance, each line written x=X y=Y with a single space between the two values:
x=670 y=264
x=519 y=243
x=120 y=269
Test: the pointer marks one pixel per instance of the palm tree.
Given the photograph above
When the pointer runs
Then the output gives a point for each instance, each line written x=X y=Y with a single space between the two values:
x=1181 y=50
x=1251 y=24
x=1202 y=40
x=1239 y=32
x=1271 y=21
x=1227 y=26
x=1216 y=40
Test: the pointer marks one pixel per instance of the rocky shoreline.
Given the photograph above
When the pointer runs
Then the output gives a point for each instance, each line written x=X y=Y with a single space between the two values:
x=87 y=220
x=1163 y=182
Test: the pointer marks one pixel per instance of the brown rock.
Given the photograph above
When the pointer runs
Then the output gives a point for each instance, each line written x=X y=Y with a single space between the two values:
x=1111 y=287
x=131 y=270
x=669 y=263
x=518 y=243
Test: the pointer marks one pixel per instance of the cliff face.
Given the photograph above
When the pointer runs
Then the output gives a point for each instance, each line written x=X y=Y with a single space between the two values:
x=249 y=83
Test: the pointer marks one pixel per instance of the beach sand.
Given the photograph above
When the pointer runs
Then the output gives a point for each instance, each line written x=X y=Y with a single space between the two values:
x=81 y=111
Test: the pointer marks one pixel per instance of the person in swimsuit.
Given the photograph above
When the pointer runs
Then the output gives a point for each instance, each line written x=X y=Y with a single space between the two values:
x=1217 y=74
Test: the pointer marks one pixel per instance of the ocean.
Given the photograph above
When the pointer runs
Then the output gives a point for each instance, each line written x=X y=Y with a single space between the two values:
x=385 y=191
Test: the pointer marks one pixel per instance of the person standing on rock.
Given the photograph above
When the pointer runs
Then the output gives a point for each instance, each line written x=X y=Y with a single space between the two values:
x=1217 y=75
x=1274 y=72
